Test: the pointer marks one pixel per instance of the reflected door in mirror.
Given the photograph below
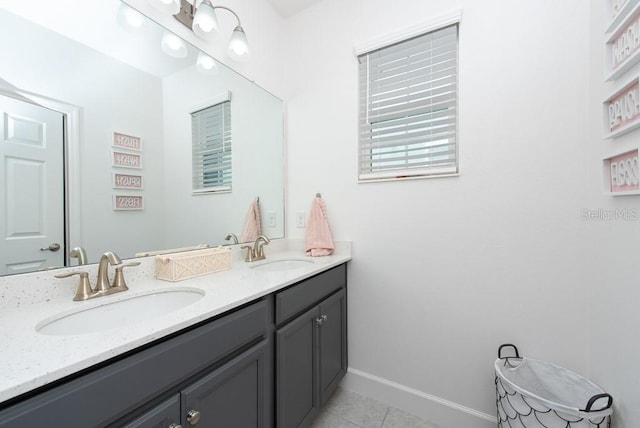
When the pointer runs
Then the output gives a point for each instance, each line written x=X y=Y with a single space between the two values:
x=32 y=197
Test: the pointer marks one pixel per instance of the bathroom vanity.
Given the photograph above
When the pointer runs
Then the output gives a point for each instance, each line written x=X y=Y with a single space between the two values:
x=272 y=359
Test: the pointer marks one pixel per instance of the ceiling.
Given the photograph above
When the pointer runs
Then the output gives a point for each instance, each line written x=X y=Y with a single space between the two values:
x=287 y=8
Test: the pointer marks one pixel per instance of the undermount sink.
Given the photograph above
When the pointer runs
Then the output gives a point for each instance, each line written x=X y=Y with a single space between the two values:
x=119 y=313
x=282 y=265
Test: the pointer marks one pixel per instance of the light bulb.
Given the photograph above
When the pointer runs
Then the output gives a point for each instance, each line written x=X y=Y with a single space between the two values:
x=171 y=7
x=205 y=21
x=238 y=45
x=205 y=64
x=130 y=19
x=173 y=45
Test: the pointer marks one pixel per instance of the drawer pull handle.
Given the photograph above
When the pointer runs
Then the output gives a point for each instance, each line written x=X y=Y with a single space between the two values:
x=175 y=426
x=193 y=417
x=321 y=319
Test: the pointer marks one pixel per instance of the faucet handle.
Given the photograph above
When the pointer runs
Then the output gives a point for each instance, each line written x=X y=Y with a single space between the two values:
x=118 y=281
x=84 y=290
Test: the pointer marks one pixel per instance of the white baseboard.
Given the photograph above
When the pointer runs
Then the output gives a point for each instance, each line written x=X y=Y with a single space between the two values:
x=429 y=407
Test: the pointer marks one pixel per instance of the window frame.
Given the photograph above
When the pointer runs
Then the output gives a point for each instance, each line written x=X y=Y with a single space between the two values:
x=389 y=40
x=198 y=184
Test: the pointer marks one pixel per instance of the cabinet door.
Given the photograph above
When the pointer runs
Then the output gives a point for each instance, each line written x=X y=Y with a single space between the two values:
x=296 y=391
x=333 y=343
x=234 y=395
x=164 y=415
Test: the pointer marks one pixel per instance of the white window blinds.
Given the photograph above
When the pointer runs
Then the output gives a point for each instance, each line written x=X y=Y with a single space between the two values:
x=408 y=105
x=211 y=137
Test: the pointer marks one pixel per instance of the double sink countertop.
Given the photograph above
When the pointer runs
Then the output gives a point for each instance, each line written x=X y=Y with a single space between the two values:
x=31 y=359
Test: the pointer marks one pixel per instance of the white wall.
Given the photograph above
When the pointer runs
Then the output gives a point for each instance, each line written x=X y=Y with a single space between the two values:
x=614 y=346
x=445 y=270
x=256 y=122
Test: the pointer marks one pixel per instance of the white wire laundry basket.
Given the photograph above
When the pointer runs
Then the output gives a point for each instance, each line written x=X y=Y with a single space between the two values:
x=536 y=394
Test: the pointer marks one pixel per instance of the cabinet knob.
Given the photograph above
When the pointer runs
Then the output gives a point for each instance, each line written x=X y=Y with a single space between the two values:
x=175 y=426
x=193 y=417
x=321 y=319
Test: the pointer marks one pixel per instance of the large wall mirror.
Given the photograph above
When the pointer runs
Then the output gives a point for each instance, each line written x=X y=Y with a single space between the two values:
x=97 y=135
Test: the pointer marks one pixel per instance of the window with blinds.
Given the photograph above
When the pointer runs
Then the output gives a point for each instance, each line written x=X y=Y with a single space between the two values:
x=211 y=154
x=408 y=105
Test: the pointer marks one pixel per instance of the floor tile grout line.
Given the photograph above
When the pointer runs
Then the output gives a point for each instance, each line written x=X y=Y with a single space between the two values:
x=385 y=416
x=343 y=418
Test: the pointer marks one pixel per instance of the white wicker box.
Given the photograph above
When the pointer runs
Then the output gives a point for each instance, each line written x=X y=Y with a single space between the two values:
x=190 y=264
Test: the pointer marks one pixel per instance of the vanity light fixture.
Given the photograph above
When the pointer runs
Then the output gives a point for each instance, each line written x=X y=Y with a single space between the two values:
x=200 y=16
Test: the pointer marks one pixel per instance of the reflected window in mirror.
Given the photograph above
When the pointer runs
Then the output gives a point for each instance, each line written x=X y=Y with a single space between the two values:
x=211 y=134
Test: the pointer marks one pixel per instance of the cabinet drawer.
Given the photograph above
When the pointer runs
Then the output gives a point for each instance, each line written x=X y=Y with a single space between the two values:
x=298 y=297
x=130 y=382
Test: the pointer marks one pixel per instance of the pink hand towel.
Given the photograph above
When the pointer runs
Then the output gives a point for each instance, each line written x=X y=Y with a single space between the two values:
x=318 y=236
x=252 y=228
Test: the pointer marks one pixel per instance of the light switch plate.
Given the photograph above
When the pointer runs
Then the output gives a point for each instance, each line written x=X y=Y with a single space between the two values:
x=300 y=219
x=271 y=219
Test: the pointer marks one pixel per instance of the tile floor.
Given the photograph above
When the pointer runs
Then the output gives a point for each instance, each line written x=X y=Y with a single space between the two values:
x=348 y=409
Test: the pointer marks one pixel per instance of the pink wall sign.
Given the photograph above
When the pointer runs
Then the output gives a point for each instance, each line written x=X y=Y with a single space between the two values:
x=622 y=46
x=127 y=202
x=626 y=41
x=624 y=172
x=623 y=109
x=127 y=160
x=129 y=142
x=127 y=181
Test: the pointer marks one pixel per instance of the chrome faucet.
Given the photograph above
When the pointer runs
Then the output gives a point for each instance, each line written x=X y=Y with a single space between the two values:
x=256 y=252
x=102 y=283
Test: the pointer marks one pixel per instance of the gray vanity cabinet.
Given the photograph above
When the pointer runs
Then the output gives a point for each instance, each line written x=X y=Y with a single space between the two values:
x=332 y=344
x=311 y=347
x=296 y=379
x=234 y=395
x=164 y=415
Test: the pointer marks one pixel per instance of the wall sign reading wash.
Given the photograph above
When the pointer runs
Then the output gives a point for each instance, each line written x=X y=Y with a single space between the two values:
x=127 y=160
x=622 y=110
x=623 y=45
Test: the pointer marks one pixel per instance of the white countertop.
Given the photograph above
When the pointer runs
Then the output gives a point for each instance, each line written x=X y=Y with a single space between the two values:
x=30 y=359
